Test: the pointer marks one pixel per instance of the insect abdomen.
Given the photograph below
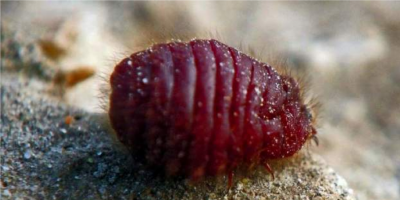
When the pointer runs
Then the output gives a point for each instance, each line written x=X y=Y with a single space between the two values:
x=203 y=108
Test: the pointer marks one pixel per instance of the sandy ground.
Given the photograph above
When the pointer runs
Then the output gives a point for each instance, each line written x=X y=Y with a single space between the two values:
x=43 y=157
x=348 y=50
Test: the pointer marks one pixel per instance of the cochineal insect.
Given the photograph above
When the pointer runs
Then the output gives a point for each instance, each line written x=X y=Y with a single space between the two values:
x=203 y=108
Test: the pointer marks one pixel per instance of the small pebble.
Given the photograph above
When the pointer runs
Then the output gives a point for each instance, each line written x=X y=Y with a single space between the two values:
x=27 y=154
x=7 y=193
x=5 y=168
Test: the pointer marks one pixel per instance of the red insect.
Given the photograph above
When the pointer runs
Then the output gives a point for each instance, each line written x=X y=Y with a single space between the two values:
x=204 y=108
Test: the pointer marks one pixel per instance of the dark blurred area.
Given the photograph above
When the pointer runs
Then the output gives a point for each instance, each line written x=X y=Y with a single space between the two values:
x=348 y=50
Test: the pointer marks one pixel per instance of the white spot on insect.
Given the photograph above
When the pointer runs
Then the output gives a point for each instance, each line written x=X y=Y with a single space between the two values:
x=140 y=91
x=145 y=80
x=129 y=62
x=271 y=110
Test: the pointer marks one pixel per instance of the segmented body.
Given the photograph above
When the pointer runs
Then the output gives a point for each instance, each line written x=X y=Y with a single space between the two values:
x=203 y=108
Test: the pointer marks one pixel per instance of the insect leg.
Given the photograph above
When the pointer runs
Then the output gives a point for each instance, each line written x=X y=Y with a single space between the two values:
x=230 y=179
x=269 y=169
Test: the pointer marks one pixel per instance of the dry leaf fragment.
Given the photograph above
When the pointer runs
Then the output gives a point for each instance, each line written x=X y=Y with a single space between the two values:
x=51 y=49
x=73 y=77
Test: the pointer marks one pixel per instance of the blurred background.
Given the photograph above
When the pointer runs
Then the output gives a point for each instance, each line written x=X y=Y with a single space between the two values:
x=349 y=51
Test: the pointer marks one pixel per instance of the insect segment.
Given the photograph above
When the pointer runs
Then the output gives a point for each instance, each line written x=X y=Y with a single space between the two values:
x=204 y=108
